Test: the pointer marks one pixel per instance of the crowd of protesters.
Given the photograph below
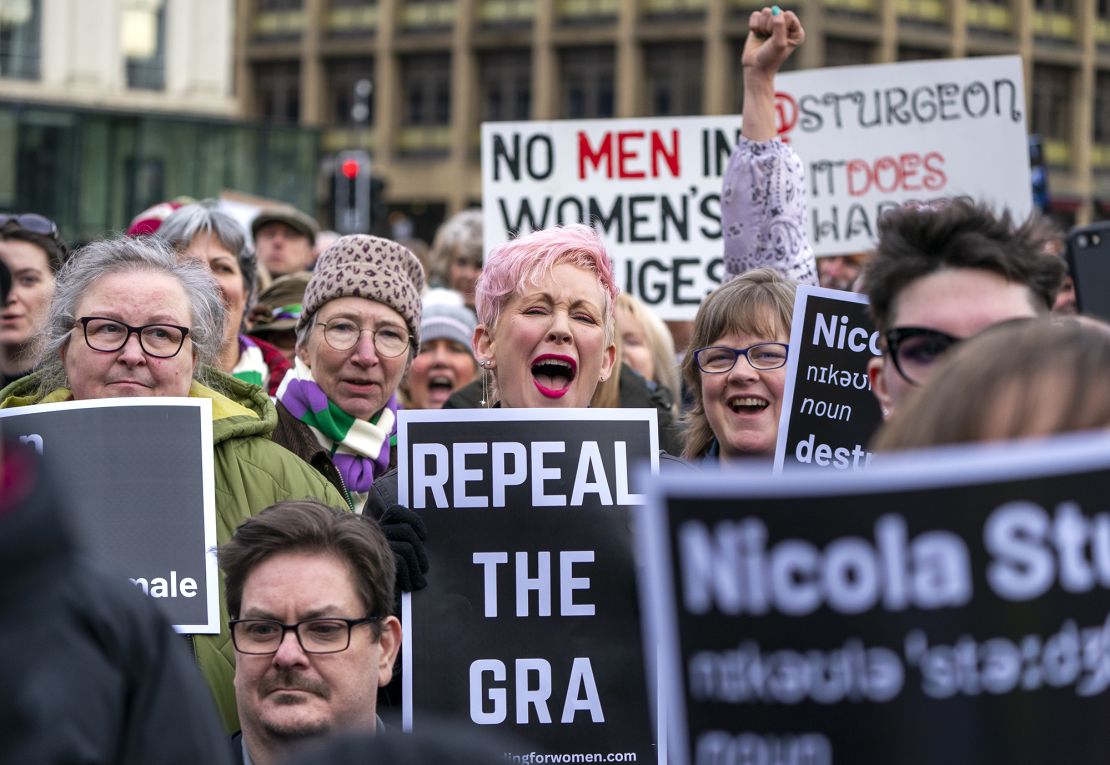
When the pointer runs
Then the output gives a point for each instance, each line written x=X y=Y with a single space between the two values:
x=308 y=354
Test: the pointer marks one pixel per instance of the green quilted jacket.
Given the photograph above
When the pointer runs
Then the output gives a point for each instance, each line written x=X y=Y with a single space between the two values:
x=251 y=474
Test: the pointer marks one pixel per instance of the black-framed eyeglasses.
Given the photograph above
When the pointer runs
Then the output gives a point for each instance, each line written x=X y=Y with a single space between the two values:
x=717 y=359
x=33 y=222
x=915 y=350
x=317 y=635
x=162 y=341
x=343 y=335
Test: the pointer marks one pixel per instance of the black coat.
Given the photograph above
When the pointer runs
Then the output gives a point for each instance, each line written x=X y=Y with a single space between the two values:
x=92 y=671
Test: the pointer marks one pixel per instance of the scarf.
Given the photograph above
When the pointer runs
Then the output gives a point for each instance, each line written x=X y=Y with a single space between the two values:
x=359 y=448
x=251 y=367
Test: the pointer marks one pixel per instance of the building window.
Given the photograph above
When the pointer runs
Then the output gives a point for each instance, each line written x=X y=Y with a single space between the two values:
x=427 y=89
x=280 y=5
x=674 y=75
x=20 y=25
x=1052 y=87
x=1065 y=7
x=1102 y=108
x=350 y=91
x=910 y=53
x=587 y=83
x=278 y=85
x=572 y=11
x=351 y=18
x=1102 y=9
x=506 y=82
x=494 y=13
x=840 y=52
x=144 y=43
x=428 y=15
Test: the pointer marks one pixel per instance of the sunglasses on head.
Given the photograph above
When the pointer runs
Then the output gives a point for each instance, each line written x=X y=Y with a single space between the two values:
x=32 y=222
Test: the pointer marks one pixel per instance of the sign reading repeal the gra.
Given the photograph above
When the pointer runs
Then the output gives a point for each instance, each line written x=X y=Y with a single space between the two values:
x=940 y=607
x=138 y=476
x=871 y=137
x=828 y=410
x=529 y=624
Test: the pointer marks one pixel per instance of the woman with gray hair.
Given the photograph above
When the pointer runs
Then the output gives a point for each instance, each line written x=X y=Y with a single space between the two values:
x=204 y=233
x=129 y=318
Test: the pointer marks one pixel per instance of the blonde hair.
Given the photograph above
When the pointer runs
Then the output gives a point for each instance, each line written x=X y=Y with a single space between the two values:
x=659 y=342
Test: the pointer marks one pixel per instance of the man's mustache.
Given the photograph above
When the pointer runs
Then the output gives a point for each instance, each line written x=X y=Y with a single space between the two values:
x=287 y=680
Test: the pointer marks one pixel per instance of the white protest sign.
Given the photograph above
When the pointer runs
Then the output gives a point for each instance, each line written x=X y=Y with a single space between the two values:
x=871 y=138
x=652 y=186
x=874 y=137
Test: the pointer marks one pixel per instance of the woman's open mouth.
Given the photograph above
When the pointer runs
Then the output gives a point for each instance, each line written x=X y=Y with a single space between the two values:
x=553 y=374
x=748 y=404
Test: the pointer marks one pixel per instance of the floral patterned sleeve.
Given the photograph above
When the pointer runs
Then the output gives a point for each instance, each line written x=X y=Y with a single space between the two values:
x=763 y=212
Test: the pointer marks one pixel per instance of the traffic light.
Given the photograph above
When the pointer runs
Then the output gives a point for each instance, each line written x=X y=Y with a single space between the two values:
x=352 y=192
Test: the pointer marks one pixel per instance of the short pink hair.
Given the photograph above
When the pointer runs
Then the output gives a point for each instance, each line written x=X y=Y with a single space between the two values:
x=527 y=259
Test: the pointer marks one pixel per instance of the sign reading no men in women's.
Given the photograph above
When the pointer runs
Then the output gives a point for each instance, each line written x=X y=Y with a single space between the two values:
x=529 y=622
x=138 y=474
x=828 y=410
x=871 y=138
x=945 y=607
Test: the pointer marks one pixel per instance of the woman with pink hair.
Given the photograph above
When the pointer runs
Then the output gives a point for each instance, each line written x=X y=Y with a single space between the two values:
x=546 y=318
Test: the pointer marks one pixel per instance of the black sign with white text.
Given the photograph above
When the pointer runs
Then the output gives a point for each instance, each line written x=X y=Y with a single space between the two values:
x=828 y=412
x=138 y=473
x=529 y=624
x=948 y=607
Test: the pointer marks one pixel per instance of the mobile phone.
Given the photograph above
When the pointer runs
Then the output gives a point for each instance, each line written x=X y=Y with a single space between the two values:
x=1088 y=258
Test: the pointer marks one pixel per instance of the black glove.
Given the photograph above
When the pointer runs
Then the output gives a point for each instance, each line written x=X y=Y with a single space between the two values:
x=405 y=532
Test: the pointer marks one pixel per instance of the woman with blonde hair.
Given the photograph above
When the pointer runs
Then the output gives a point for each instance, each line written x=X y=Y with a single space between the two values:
x=645 y=344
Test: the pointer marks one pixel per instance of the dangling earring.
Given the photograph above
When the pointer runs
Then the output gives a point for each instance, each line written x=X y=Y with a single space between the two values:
x=484 y=364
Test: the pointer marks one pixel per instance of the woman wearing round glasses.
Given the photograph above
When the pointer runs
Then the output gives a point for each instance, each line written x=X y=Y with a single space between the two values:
x=357 y=334
x=130 y=319
x=33 y=251
x=738 y=370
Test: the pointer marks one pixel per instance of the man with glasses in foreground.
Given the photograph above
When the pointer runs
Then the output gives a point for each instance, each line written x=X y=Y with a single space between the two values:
x=309 y=589
x=945 y=272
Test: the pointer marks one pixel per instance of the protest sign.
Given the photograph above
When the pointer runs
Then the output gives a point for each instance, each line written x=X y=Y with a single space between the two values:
x=529 y=622
x=938 y=607
x=871 y=137
x=875 y=137
x=828 y=410
x=138 y=476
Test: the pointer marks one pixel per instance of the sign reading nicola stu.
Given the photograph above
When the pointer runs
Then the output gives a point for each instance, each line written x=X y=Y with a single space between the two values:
x=941 y=607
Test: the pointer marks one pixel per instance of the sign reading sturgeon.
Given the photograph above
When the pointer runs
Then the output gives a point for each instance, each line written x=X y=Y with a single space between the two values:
x=529 y=623
x=828 y=410
x=947 y=607
x=139 y=475
x=871 y=137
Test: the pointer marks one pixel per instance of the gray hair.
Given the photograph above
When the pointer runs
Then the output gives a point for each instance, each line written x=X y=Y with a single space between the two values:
x=184 y=224
x=124 y=255
x=461 y=234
